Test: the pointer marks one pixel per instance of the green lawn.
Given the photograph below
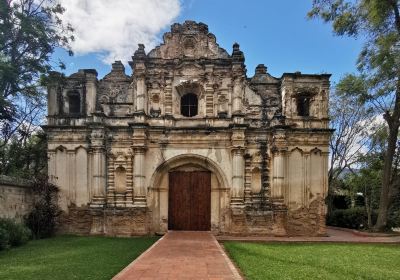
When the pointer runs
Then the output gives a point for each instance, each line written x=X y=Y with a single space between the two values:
x=71 y=257
x=316 y=261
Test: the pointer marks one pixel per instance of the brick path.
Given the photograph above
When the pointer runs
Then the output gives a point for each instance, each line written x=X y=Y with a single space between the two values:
x=182 y=255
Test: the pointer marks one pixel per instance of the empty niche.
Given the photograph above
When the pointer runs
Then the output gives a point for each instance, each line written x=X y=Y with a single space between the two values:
x=256 y=180
x=120 y=179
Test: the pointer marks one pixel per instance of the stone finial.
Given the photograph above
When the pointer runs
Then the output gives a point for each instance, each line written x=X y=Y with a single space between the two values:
x=117 y=66
x=140 y=53
x=261 y=69
x=237 y=54
x=88 y=71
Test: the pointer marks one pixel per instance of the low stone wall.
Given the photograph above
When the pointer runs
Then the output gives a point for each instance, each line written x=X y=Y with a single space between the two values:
x=16 y=198
x=105 y=221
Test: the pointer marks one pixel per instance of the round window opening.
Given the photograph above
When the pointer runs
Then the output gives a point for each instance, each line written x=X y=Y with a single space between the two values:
x=189 y=104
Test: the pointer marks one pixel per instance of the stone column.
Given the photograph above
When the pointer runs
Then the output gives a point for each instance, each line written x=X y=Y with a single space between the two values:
x=91 y=92
x=53 y=88
x=71 y=168
x=141 y=93
x=209 y=91
x=110 y=182
x=307 y=177
x=168 y=97
x=247 y=181
x=98 y=168
x=237 y=96
x=129 y=183
x=139 y=199
x=237 y=178
x=52 y=100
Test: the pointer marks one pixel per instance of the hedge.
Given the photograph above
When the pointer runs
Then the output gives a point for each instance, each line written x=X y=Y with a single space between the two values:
x=13 y=234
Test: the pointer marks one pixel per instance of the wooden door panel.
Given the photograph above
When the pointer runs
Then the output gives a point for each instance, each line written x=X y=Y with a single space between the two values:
x=200 y=214
x=189 y=200
x=179 y=201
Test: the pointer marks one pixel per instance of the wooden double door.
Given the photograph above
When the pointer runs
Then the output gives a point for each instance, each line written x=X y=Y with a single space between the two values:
x=189 y=200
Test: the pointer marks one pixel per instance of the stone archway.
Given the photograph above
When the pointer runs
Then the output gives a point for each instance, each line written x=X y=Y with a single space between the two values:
x=158 y=195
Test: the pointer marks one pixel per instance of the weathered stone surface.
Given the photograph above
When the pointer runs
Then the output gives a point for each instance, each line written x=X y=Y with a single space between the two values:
x=16 y=198
x=264 y=140
x=308 y=220
x=112 y=222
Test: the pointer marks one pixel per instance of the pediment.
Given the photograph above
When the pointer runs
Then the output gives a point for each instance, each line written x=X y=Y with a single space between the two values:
x=189 y=40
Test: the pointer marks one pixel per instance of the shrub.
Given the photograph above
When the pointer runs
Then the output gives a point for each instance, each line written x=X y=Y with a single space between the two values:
x=340 y=202
x=4 y=238
x=13 y=234
x=42 y=219
x=355 y=218
x=394 y=219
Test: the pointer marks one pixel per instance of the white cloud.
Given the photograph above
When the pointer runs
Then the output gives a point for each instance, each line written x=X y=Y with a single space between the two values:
x=115 y=27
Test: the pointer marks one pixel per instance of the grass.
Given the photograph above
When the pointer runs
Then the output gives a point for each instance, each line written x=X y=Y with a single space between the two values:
x=71 y=257
x=316 y=261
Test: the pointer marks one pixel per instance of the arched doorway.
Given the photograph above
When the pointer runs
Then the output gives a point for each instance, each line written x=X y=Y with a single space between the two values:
x=212 y=194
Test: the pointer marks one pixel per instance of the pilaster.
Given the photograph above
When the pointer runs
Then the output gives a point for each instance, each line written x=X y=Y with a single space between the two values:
x=51 y=154
x=139 y=199
x=110 y=181
x=98 y=167
x=91 y=92
x=139 y=148
x=238 y=165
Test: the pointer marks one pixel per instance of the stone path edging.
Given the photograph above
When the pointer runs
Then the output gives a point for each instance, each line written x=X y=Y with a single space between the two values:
x=232 y=267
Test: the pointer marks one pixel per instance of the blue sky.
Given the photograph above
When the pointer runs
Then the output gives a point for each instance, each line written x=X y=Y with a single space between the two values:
x=275 y=33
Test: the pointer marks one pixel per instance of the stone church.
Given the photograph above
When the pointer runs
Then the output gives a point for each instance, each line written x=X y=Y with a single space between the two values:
x=189 y=142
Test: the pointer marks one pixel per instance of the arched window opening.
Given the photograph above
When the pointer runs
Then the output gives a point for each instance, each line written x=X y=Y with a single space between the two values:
x=303 y=106
x=74 y=103
x=189 y=104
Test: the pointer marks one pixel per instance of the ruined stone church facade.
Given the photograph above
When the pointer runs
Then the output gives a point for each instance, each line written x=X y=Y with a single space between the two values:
x=189 y=142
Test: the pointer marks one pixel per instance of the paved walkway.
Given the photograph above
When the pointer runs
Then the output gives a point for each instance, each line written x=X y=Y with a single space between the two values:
x=182 y=255
x=198 y=255
x=334 y=235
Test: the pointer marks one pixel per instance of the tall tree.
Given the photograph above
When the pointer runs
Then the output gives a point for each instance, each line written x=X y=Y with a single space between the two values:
x=377 y=22
x=30 y=30
x=353 y=123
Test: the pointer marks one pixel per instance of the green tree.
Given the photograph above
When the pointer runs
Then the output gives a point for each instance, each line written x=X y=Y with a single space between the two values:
x=353 y=123
x=368 y=181
x=377 y=22
x=30 y=31
x=24 y=160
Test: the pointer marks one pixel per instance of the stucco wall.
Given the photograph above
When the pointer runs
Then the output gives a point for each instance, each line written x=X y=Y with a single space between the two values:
x=15 y=197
